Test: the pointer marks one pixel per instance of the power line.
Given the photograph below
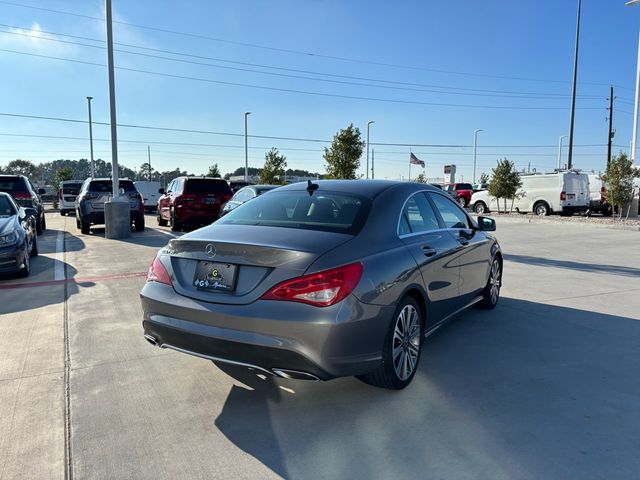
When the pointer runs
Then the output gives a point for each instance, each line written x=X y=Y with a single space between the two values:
x=300 y=52
x=408 y=85
x=302 y=92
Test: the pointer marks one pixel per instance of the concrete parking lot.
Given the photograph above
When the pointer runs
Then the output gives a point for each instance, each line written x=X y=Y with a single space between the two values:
x=545 y=386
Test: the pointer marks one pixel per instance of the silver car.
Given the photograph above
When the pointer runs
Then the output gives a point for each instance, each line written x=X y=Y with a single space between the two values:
x=321 y=280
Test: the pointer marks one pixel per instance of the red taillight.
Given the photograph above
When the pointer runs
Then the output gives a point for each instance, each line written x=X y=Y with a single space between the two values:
x=157 y=272
x=563 y=196
x=320 y=289
x=22 y=196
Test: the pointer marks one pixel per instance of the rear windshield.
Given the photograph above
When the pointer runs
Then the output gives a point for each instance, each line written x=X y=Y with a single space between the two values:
x=329 y=212
x=465 y=186
x=104 y=186
x=204 y=185
x=6 y=207
x=71 y=188
x=12 y=184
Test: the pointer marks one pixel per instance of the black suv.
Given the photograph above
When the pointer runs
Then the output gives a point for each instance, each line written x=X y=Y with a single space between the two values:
x=96 y=191
x=25 y=195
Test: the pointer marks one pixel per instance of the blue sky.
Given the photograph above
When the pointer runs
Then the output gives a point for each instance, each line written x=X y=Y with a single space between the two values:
x=470 y=53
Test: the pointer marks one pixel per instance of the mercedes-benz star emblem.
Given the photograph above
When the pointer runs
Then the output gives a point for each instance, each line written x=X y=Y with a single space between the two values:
x=210 y=250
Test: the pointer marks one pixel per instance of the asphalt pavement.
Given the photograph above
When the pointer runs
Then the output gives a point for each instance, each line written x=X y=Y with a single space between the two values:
x=544 y=386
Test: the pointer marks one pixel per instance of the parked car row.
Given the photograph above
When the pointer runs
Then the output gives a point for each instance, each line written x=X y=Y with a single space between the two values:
x=18 y=236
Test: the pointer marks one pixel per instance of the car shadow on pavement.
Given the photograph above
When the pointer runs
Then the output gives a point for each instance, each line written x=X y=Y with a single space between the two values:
x=47 y=241
x=527 y=390
x=585 y=267
x=39 y=289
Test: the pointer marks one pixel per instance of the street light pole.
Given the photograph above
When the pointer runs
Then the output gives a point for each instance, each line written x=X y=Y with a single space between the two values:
x=475 y=145
x=560 y=150
x=634 y=135
x=93 y=165
x=246 y=149
x=367 y=170
x=573 y=89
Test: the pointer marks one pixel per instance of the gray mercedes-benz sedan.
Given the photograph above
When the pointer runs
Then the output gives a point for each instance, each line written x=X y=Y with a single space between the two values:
x=321 y=280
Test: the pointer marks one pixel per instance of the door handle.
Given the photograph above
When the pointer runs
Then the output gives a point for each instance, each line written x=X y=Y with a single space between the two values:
x=463 y=241
x=428 y=251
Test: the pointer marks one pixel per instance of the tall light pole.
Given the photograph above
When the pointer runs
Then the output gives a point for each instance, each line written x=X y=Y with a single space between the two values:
x=93 y=165
x=246 y=149
x=475 y=146
x=573 y=89
x=368 y=125
x=634 y=135
x=560 y=150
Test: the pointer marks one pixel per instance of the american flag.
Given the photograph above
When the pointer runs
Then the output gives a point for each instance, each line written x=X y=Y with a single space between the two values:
x=415 y=160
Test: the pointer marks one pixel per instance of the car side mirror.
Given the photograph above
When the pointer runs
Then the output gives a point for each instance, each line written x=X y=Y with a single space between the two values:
x=161 y=191
x=486 y=224
x=41 y=191
x=30 y=212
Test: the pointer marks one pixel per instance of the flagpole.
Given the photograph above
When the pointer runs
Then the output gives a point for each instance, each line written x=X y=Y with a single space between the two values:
x=410 y=164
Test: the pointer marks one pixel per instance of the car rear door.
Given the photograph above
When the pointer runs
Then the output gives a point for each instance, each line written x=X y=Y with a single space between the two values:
x=435 y=252
x=473 y=249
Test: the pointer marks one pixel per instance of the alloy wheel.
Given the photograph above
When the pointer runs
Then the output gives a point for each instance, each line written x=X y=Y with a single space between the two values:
x=406 y=342
x=494 y=281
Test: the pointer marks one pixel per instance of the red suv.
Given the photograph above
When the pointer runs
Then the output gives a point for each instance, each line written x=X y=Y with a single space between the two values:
x=461 y=192
x=192 y=201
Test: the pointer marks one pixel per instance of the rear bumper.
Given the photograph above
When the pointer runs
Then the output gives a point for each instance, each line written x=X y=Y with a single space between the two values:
x=342 y=340
x=201 y=216
x=575 y=209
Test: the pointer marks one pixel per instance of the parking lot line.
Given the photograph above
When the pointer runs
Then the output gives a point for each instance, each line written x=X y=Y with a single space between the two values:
x=59 y=260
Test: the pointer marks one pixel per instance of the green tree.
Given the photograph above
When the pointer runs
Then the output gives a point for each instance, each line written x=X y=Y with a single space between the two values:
x=274 y=166
x=63 y=174
x=343 y=157
x=421 y=178
x=484 y=178
x=618 y=178
x=505 y=182
x=214 y=171
x=146 y=171
x=22 y=167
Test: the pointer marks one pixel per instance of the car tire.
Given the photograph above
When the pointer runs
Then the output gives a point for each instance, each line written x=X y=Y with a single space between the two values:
x=63 y=213
x=78 y=226
x=39 y=225
x=606 y=210
x=161 y=221
x=541 y=209
x=139 y=223
x=84 y=227
x=404 y=336
x=491 y=292
x=34 y=246
x=462 y=201
x=44 y=222
x=480 y=207
x=175 y=225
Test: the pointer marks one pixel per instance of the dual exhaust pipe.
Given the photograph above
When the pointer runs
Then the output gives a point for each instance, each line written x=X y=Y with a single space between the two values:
x=276 y=372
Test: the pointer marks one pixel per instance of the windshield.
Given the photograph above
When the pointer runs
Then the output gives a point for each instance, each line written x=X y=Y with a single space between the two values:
x=203 y=185
x=7 y=208
x=329 y=212
x=71 y=188
x=104 y=186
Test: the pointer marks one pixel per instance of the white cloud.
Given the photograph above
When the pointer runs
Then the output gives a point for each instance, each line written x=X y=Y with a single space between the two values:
x=33 y=40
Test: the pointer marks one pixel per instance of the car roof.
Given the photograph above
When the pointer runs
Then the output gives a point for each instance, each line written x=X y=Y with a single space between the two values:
x=12 y=175
x=71 y=181
x=366 y=188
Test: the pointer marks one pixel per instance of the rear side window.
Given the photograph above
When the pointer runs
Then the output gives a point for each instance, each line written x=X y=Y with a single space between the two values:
x=12 y=184
x=465 y=186
x=418 y=216
x=451 y=213
x=204 y=185
x=326 y=211
x=105 y=186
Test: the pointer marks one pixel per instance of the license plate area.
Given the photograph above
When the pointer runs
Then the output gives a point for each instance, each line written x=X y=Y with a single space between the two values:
x=571 y=196
x=215 y=276
x=209 y=200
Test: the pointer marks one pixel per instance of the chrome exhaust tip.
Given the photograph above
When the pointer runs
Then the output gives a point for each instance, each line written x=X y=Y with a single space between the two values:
x=294 y=375
x=151 y=339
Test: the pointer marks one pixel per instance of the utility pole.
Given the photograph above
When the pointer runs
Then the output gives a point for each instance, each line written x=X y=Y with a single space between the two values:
x=246 y=149
x=611 y=133
x=149 y=162
x=372 y=164
x=93 y=165
x=475 y=145
x=367 y=169
x=573 y=90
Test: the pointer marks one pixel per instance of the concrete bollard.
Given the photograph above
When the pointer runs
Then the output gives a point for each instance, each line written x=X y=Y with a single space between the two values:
x=117 y=218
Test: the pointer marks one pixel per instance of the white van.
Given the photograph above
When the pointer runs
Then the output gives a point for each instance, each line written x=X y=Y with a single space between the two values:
x=150 y=193
x=542 y=193
x=67 y=194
